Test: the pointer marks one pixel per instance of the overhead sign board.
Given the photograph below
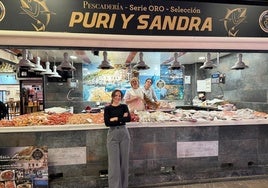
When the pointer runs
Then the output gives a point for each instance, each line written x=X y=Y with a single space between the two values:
x=162 y=18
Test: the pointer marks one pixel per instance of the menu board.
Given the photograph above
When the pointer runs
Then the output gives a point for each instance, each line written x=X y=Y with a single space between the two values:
x=24 y=167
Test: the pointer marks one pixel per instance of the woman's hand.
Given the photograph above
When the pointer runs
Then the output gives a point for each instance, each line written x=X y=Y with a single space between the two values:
x=132 y=99
x=125 y=114
x=114 y=119
x=137 y=98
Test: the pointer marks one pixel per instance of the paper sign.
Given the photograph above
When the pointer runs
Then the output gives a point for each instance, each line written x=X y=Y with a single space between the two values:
x=67 y=156
x=204 y=85
x=197 y=149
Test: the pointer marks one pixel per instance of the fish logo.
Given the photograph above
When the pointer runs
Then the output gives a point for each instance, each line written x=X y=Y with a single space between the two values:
x=233 y=19
x=38 y=11
x=2 y=11
x=263 y=21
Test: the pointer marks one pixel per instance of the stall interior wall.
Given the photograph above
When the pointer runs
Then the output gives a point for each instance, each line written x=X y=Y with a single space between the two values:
x=247 y=88
x=61 y=94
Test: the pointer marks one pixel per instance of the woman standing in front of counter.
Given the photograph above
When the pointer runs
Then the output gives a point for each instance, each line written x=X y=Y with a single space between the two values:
x=118 y=141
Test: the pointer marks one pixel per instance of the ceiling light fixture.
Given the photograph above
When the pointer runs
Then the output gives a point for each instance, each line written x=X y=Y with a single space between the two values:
x=141 y=64
x=55 y=73
x=73 y=57
x=65 y=64
x=25 y=62
x=30 y=56
x=38 y=67
x=48 y=70
x=176 y=65
x=239 y=65
x=208 y=64
x=105 y=63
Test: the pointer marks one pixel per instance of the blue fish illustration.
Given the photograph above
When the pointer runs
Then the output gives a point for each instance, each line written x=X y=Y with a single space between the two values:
x=39 y=11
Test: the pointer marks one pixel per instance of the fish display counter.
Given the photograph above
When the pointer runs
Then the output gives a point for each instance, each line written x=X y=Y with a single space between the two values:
x=178 y=146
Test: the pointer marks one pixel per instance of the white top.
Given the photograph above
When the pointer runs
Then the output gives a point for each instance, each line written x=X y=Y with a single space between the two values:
x=150 y=94
x=137 y=104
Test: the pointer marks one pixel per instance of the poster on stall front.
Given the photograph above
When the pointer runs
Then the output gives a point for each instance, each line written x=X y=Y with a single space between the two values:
x=24 y=167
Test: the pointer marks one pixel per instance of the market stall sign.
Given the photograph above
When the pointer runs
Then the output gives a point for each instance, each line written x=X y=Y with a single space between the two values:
x=163 y=18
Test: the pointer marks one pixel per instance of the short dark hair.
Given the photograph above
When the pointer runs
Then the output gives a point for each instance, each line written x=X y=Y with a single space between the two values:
x=149 y=79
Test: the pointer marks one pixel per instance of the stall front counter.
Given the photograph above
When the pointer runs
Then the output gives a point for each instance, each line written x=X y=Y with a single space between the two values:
x=77 y=127
x=161 y=152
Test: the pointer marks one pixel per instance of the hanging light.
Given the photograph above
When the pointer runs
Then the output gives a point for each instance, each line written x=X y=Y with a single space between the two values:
x=48 y=70
x=55 y=73
x=239 y=65
x=141 y=64
x=105 y=63
x=25 y=62
x=65 y=64
x=38 y=67
x=30 y=56
x=176 y=64
x=208 y=64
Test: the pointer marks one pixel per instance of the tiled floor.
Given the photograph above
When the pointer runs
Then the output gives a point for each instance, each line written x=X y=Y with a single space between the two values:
x=252 y=183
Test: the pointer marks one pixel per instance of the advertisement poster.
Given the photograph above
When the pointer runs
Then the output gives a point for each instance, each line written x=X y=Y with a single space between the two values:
x=24 y=167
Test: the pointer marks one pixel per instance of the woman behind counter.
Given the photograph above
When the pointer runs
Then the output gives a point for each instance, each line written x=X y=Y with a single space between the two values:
x=118 y=141
x=134 y=97
x=150 y=98
x=148 y=90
